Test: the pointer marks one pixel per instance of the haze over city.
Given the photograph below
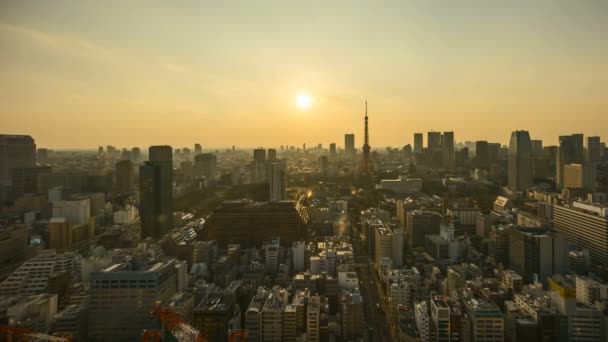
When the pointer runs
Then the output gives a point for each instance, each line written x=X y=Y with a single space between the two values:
x=304 y=171
x=79 y=74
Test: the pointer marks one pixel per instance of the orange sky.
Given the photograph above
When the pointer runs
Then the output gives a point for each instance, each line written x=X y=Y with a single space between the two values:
x=78 y=74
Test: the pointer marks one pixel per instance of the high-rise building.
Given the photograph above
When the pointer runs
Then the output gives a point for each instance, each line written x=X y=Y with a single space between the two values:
x=332 y=150
x=586 y=225
x=349 y=143
x=420 y=224
x=520 y=161
x=136 y=155
x=440 y=315
x=123 y=178
x=313 y=318
x=418 y=142
x=570 y=151
x=156 y=192
x=353 y=320
x=60 y=233
x=536 y=253
x=75 y=211
x=594 y=150
x=12 y=248
x=487 y=321
x=253 y=315
x=579 y=176
x=448 y=149
x=272 y=315
x=482 y=155
x=198 y=149
x=24 y=180
x=122 y=296
x=272 y=154
x=537 y=148
x=278 y=181
x=389 y=244
x=433 y=140
x=259 y=165
x=252 y=223
x=16 y=151
x=206 y=166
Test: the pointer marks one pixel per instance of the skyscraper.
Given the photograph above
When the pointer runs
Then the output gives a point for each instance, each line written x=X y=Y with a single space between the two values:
x=259 y=165
x=278 y=181
x=349 y=143
x=482 y=155
x=16 y=151
x=569 y=152
x=418 y=142
x=594 y=150
x=198 y=149
x=366 y=162
x=136 y=155
x=123 y=182
x=520 y=161
x=272 y=154
x=332 y=150
x=448 y=149
x=156 y=192
x=206 y=166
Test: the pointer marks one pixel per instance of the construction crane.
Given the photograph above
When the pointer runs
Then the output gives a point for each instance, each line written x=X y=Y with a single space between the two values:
x=15 y=334
x=173 y=323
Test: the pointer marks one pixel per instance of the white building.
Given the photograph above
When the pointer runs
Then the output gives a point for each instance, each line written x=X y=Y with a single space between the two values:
x=74 y=211
x=421 y=313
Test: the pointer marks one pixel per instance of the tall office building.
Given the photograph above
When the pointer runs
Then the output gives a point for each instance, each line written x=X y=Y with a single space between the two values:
x=594 y=150
x=24 y=180
x=272 y=154
x=75 y=211
x=136 y=155
x=537 y=253
x=332 y=150
x=156 y=192
x=487 y=321
x=206 y=166
x=16 y=151
x=278 y=181
x=448 y=149
x=537 y=148
x=482 y=155
x=418 y=142
x=123 y=177
x=251 y=223
x=586 y=226
x=520 y=161
x=433 y=140
x=198 y=149
x=440 y=315
x=420 y=224
x=579 y=176
x=570 y=151
x=259 y=165
x=122 y=296
x=12 y=248
x=349 y=143
x=313 y=317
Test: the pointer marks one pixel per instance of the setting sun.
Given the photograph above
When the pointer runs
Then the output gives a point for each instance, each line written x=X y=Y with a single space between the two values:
x=303 y=101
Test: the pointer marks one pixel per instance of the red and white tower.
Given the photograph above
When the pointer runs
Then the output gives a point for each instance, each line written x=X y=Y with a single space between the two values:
x=366 y=163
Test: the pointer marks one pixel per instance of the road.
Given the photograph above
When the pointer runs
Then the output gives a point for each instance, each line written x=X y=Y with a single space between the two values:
x=375 y=318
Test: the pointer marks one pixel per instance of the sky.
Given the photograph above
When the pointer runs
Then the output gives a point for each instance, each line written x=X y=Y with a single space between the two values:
x=222 y=73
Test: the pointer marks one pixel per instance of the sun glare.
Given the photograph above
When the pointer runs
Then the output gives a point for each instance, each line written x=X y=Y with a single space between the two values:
x=303 y=101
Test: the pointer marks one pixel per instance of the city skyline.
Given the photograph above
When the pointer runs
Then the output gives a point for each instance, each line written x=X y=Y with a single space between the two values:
x=180 y=74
